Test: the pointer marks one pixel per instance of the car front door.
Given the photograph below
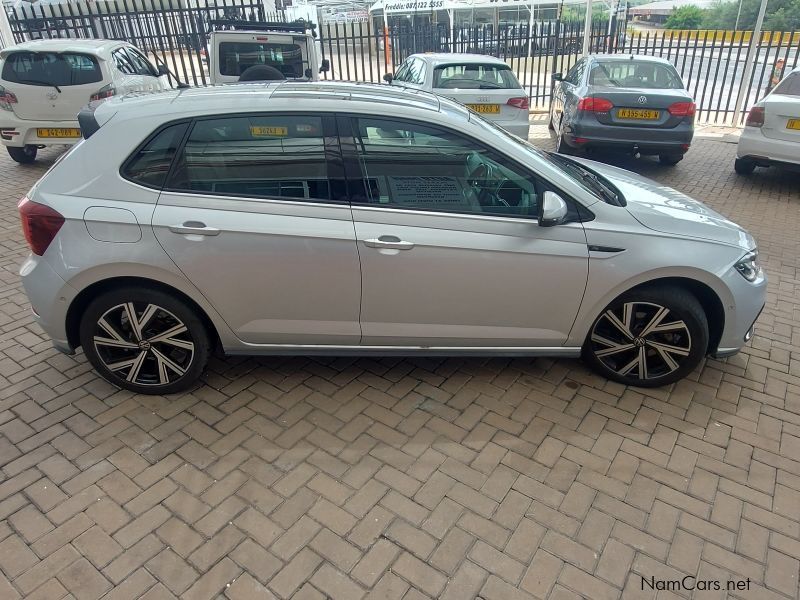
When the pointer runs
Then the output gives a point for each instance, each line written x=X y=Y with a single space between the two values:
x=451 y=253
x=255 y=214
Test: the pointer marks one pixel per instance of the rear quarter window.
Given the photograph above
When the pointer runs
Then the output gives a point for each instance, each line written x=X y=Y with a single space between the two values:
x=51 y=68
x=149 y=165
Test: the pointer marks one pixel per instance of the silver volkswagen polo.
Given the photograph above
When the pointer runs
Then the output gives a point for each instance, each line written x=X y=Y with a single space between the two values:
x=333 y=218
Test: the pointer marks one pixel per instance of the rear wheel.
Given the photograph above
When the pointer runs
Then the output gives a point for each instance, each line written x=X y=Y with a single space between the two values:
x=648 y=337
x=146 y=341
x=670 y=159
x=744 y=166
x=23 y=155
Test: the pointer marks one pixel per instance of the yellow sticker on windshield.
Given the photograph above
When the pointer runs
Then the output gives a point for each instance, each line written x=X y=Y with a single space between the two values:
x=262 y=131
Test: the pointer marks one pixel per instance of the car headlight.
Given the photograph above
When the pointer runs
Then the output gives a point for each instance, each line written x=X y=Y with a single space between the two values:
x=748 y=266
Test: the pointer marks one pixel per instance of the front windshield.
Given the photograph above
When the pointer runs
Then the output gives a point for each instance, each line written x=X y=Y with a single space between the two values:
x=591 y=181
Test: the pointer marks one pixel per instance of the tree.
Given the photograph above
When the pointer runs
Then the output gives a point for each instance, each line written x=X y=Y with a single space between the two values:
x=781 y=15
x=685 y=17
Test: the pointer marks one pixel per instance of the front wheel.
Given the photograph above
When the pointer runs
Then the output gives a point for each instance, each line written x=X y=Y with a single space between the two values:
x=648 y=337
x=24 y=155
x=144 y=340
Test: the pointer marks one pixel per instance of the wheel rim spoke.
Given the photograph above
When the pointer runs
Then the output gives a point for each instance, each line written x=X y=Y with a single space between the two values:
x=654 y=322
x=114 y=343
x=668 y=360
x=164 y=363
x=168 y=337
x=612 y=347
x=109 y=329
x=671 y=349
x=614 y=320
x=133 y=374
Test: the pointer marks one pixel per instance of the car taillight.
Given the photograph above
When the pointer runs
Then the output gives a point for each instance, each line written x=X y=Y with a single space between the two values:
x=519 y=102
x=755 y=118
x=591 y=104
x=40 y=224
x=104 y=92
x=682 y=109
x=6 y=99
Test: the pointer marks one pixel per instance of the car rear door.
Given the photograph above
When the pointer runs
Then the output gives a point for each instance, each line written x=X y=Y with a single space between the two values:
x=485 y=88
x=782 y=111
x=255 y=214
x=451 y=254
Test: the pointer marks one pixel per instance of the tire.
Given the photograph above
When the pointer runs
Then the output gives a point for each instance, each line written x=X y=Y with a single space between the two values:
x=616 y=351
x=561 y=145
x=143 y=364
x=24 y=155
x=744 y=166
x=670 y=159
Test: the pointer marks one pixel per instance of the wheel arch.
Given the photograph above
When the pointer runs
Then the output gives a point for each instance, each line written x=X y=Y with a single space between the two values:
x=87 y=294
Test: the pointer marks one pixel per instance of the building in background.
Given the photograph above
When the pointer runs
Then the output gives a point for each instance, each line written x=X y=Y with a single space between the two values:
x=657 y=13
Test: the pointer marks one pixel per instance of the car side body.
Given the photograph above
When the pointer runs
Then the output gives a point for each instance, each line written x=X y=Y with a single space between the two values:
x=279 y=272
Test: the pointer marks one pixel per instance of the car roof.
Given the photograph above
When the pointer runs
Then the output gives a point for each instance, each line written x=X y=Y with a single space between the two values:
x=444 y=57
x=250 y=97
x=635 y=57
x=86 y=46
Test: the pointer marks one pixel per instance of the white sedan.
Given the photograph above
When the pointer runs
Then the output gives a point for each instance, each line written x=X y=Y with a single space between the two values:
x=771 y=134
x=485 y=84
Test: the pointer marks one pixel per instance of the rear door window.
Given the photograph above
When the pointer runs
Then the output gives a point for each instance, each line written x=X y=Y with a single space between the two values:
x=474 y=76
x=236 y=57
x=51 y=68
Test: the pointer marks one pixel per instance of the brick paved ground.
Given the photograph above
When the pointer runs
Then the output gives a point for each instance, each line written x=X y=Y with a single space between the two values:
x=409 y=478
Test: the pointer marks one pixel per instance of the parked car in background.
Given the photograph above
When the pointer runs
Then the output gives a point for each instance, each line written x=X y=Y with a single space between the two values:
x=292 y=48
x=337 y=218
x=485 y=84
x=771 y=134
x=44 y=83
x=629 y=103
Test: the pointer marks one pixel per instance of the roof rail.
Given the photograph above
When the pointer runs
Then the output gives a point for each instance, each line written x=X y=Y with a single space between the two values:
x=298 y=26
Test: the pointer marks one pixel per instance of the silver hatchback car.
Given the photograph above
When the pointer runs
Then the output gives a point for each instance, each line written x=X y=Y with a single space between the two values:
x=333 y=218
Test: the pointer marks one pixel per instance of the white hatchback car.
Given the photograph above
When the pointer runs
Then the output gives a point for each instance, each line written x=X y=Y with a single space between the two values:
x=485 y=84
x=771 y=134
x=44 y=83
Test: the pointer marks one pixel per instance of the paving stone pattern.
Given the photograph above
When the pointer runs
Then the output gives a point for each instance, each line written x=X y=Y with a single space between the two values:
x=346 y=478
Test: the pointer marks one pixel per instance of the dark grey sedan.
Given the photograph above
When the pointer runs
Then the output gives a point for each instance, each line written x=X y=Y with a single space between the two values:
x=635 y=104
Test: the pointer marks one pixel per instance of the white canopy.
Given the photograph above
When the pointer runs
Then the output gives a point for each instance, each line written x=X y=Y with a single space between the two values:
x=413 y=6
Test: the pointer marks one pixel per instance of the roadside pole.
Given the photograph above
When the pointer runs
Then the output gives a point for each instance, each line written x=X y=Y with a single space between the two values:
x=6 y=36
x=587 y=28
x=752 y=56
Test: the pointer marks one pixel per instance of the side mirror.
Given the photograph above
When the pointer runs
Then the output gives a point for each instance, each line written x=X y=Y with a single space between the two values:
x=552 y=210
x=388 y=77
x=558 y=77
x=162 y=70
x=324 y=65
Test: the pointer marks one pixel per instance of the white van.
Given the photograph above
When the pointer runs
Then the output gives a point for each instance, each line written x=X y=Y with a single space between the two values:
x=292 y=48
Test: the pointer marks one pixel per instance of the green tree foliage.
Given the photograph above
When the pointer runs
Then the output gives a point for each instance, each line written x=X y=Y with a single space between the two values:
x=781 y=15
x=685 y=17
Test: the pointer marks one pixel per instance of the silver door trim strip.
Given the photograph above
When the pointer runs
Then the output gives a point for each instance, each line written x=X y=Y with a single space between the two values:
x=320 y=349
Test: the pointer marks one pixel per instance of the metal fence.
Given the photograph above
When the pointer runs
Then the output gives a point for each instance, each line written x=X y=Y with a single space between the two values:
x=175 y=32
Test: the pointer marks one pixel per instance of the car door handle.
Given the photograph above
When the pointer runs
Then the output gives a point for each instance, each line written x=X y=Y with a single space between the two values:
x=389 y=241
x=193 y=228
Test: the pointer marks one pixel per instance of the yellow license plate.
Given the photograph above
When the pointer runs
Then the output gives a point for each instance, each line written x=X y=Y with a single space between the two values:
x=259 y=131
x=487 y=109
x=58 y=132
x=638 y=114
x=793 y=124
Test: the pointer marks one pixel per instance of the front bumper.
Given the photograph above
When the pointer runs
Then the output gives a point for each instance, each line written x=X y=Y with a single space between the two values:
x=765 y=151
x=50 y=297
x=18 y=132
x=740 y=317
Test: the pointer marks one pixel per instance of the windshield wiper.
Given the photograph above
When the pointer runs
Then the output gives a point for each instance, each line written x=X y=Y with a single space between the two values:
x=40 y=82
x=597 y=185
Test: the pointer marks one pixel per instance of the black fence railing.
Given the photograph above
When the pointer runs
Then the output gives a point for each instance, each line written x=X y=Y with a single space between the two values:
x=175 y=32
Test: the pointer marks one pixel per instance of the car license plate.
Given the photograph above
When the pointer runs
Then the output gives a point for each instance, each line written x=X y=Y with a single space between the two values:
x=638 y=114
x=486 y=109
x=793 y=124
x=58 y=132
x=264 y=131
